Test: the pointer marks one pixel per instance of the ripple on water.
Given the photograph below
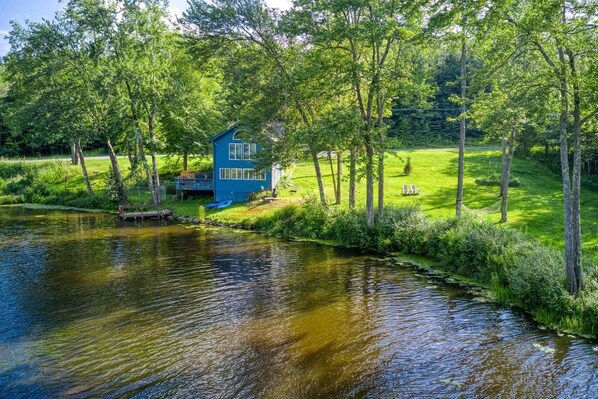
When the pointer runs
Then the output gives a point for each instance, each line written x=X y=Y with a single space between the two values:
x=95 y=308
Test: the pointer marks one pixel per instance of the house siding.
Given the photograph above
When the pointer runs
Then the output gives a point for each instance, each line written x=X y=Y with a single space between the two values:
x=237 y=190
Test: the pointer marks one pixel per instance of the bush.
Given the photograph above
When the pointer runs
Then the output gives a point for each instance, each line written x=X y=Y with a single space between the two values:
x=475 y=248
x=350 y=229
x=537 y=276
x=11 y=199
x=3 y=186
x=408 y=168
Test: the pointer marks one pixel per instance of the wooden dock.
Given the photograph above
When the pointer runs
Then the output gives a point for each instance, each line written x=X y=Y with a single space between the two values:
x=143 y=211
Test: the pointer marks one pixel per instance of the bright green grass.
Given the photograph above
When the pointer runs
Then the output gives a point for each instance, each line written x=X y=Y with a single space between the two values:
x=534 y=207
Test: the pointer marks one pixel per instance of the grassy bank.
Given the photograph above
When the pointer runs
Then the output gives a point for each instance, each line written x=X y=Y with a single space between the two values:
x=535 y=207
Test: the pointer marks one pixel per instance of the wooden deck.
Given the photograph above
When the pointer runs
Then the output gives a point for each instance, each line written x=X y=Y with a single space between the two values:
x=144 y=211
x=205 y=183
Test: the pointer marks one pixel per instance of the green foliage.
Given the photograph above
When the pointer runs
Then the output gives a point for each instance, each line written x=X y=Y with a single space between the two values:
x=201 y=214
x=408 y=167
x=78 y=199
x=11 y=199
x=309 y=220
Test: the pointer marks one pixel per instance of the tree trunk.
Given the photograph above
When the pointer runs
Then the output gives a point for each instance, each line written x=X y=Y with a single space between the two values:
x=74 y=154
x=369 y=176
x=381 y=148
x=352 y=178
x=83 y=167
x=132 y=154
x=381 y=183
x=461 y=166
x=576 y=183
x=314 y=157
x=121 y=192
x=146 y=168
x=339 y=175
x=157 y=188
x=333 y=175
x=156 y=175
x=566 y=178
x=508 y=144
x=185 y=160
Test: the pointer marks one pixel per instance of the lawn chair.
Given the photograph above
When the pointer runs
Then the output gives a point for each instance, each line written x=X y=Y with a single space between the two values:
x=405 y=191
x=413 y=190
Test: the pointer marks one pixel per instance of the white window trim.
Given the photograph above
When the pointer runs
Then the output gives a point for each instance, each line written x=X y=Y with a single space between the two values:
x=249 y=170
x=236 y=173
x=235 y=151
x=260 y=173
x=223 y=174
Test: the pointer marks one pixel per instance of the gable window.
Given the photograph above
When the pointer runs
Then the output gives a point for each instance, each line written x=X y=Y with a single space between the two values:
x=235 y=151
x=260 y=175
x=249 y=151
x=224 y=173
x=248 y=174
x=236 y=174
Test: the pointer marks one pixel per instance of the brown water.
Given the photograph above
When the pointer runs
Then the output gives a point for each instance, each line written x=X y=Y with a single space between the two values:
x=91 y=307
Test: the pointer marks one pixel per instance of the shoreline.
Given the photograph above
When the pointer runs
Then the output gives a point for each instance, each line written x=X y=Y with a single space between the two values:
x=425 y=264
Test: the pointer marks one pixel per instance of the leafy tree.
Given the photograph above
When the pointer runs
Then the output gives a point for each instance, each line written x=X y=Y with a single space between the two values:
x=564 y=34
x=254 y=42
x=368 y=38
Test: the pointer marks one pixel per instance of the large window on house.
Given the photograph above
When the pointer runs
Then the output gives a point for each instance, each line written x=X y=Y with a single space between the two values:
x=248 y=174
x=224 y=173
x=235 y=151
x=236 y=174
x=249 y=151
x=260 y=175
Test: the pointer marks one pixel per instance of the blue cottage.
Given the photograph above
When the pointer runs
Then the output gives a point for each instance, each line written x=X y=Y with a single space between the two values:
x=235 y=176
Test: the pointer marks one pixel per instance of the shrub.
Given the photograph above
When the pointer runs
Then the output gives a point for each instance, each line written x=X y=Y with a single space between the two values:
x=407 y=169
x=350 y=229
x=475 y=248
x=537 y=277
x=3 y=186
x=11 y=199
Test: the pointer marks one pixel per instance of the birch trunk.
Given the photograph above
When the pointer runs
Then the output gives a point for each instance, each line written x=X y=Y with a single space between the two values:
x=121 y=192
x=508 y=144
x=369 y=176
x=74 y=154
x=314 y=157
x=352 y=178
x=461 y=166
x=83 y=167
x=339 y=175
x=577 y=285
x=566 y=178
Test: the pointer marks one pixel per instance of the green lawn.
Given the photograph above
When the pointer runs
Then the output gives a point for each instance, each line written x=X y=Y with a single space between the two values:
x=535 y=206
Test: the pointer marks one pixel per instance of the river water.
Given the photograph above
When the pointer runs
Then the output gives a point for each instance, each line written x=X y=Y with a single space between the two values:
x=92 y=307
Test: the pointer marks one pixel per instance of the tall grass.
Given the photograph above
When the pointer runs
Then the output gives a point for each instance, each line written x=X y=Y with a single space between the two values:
x=45 y=183
x=516 y=269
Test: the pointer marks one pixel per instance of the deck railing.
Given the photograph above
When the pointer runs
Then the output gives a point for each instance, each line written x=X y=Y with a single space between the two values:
x=194 y=184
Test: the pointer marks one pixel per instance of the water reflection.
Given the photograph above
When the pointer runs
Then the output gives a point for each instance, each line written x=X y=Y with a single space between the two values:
x=95 y=308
